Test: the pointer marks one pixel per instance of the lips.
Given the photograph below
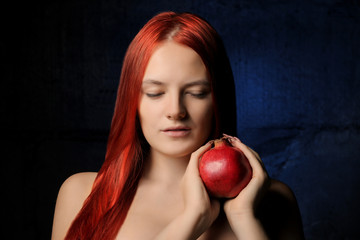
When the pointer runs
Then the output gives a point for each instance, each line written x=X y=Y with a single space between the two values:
x=177 y=131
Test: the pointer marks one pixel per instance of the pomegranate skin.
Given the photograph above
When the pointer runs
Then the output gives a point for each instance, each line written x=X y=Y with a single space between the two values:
x=224 y=170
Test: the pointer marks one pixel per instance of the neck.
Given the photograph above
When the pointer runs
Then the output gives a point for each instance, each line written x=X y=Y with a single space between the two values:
x=165 y=169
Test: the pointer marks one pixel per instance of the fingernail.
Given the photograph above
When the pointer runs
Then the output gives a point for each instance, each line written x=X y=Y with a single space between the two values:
x=231 y=138
x=237 y=139
x=228 y=137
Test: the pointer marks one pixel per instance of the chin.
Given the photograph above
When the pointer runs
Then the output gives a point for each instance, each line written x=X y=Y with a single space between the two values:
x=181 y=148
x=178 y=151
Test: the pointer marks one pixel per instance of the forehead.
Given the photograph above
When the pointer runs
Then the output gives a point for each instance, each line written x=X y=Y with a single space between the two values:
x=173 y=61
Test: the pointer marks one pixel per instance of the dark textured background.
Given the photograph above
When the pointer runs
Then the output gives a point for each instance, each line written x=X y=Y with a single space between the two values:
x=297 y=70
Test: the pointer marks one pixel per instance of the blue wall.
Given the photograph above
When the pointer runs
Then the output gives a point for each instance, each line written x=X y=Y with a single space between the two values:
x=297 y=70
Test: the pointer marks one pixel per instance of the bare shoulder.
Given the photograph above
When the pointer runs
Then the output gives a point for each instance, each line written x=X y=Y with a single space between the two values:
x=79 y=181
x=282 y=189
x=71 y=197
x=76 y=188
x=279 y=212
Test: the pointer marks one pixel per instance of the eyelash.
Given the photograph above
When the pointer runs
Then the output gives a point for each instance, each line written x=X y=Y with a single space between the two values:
x=153 y=95
x=199 y=95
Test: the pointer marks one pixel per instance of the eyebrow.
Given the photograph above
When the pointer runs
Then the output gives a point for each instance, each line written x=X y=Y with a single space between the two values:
x=190 y=84
x=151 y=81
x=198 y=82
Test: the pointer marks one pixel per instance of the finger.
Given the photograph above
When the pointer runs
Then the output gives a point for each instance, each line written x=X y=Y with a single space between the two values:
x=255 y=153
x=258 y=157
x=251 y=155
x=195 y=156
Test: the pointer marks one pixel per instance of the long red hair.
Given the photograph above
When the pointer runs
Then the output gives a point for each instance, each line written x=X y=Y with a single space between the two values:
x=105 y=209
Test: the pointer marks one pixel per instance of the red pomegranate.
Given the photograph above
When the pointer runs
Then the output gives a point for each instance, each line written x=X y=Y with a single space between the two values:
x=224 y=170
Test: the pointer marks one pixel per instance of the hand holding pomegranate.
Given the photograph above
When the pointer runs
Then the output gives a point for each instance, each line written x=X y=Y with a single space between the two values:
x=233 y=171
x=240 y=211
x=200 y=210
x=197 y=204
x=225 y=170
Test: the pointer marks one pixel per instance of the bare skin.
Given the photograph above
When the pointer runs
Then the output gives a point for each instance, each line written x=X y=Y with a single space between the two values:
x=157 y=204
x=171 y=201
x=163 y=204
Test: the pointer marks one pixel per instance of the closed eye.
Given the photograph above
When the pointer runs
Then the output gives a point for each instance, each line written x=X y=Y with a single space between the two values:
x=154 y=95
x=199 y=95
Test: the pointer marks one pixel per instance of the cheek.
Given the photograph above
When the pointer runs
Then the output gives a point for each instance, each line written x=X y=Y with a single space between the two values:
x=204 y=115
x=148 y=115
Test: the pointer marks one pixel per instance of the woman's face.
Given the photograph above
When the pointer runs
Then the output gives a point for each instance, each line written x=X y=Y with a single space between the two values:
x=176 y=105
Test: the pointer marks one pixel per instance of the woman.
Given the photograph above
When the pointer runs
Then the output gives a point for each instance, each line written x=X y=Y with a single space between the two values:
x=176 y=93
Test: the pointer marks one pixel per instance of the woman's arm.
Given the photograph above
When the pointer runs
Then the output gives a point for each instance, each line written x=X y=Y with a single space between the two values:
x=265 y=208
x=240 y=211
x=199 y=211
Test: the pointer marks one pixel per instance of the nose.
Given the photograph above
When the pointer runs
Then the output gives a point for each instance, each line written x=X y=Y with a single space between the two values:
x=176 y=109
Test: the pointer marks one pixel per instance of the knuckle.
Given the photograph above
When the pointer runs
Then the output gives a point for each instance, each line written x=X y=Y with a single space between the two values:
x=262 y=176
x=194 y=155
